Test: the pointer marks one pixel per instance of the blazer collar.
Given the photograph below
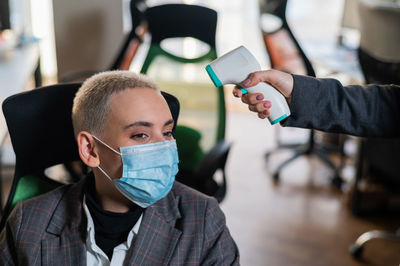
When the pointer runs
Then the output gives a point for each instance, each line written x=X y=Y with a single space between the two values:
x=167 y=208
x=158 y=235
x=159 y=219
x=68 y=213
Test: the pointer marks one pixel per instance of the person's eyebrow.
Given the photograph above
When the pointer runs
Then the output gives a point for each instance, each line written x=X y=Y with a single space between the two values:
x=146 y=124
x=138 y=124
x=169 y=122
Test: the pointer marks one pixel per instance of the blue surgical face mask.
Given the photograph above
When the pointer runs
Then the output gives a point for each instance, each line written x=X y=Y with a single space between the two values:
x=148 y=171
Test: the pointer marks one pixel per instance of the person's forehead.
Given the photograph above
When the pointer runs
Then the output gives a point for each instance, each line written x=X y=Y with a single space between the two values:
x=136 y=95
x=139 y=102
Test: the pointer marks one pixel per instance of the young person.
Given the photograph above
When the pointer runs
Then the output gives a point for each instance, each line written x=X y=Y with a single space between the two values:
x=128 y=210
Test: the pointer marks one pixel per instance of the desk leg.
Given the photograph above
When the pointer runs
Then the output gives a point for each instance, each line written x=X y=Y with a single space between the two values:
x=356 y=197
x=38 y=75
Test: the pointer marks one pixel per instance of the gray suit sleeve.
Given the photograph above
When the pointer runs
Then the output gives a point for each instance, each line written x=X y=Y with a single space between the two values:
x=324 y=104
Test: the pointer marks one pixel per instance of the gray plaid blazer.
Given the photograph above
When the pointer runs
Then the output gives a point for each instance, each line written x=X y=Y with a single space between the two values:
x=186 y=227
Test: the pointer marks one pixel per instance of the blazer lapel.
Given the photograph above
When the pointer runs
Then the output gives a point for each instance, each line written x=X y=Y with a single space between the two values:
x=66 y=249
x=65 y=241
x=157 y=236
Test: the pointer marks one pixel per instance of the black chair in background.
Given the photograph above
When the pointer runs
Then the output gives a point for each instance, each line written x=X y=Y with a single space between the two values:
x=379 y=57
x=286 y=54
x=41 y=132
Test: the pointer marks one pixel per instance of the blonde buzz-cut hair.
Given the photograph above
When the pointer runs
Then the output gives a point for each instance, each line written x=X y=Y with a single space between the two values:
x=92 y=101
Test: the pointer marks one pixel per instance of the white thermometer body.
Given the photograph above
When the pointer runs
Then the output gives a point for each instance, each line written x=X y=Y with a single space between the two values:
x=234 y=67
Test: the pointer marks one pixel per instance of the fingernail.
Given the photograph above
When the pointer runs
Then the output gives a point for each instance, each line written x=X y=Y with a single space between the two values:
x=246 y=82
x=266 y=112
x=260 y=97
x=267 y=105
x=235 y=94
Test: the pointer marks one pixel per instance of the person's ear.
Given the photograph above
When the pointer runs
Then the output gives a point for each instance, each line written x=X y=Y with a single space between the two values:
x=87 y=149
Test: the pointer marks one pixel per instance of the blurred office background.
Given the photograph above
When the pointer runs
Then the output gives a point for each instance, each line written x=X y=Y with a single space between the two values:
x=308 y=213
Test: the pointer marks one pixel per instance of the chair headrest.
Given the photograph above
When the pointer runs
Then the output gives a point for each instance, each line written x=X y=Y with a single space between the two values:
x=182 y=20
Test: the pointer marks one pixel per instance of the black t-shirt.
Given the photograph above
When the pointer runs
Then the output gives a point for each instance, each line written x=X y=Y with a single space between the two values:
x=111 y=229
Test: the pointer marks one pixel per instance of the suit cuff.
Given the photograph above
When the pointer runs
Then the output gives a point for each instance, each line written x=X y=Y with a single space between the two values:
x=301 y=106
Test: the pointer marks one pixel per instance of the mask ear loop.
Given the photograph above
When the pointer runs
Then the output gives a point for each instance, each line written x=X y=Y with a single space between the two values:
x=104 y=173
x=105 y=144
x=108 y=146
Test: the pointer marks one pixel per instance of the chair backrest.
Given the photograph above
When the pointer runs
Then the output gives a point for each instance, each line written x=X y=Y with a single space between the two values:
x=40 y=127
x=178 y=21
x=214 y=161
x=285 y=51
x=203 y=105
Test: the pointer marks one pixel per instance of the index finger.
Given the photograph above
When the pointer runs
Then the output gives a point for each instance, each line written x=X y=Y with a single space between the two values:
x=237 y=92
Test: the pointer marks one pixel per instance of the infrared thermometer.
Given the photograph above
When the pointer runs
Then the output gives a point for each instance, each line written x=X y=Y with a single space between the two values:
x=234 y=67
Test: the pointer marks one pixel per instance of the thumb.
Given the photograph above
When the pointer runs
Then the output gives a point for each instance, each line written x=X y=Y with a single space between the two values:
x=251 y=80
x=281 y=81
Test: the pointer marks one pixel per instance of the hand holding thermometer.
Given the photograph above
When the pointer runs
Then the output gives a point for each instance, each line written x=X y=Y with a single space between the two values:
x=234 y=67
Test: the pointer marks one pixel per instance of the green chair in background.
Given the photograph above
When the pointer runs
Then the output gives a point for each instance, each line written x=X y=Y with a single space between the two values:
x=202 y=121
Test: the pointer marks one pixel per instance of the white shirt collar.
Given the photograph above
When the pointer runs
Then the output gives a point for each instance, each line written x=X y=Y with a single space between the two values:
x=91 y=242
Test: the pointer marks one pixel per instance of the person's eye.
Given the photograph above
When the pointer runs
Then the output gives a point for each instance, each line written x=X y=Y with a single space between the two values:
x=168 y=134
x=140 y=136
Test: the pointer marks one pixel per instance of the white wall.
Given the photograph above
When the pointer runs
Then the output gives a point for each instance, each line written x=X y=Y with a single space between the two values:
x=88 y=34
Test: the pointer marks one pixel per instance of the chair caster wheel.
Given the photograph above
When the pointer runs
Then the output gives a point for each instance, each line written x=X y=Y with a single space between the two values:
x=337 y=182
x=356 y=250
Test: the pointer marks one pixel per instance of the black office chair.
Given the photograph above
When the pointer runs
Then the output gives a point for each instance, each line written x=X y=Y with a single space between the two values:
x=213 y=162
x=199 y=22
x=281 y=41
x=40 y=127
x=379 y=59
